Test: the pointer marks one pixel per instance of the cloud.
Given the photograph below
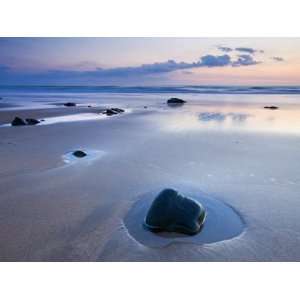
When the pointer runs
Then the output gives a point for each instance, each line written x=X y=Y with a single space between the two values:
x=126 y=74
x=215 y=61
x=248 y=50
x=245 y=60
x=225 y=49
x=208 y=61
x=277 y=58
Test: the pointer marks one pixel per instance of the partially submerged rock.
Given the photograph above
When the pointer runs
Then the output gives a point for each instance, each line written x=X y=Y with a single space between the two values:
x=69 y=104
x=271 y=107
x=32 y=121
x=175 y=101
x=18 y=122
x=173 y=212
x=110 y=112
x=79 y=154
x=113 y=111
x=118 y=110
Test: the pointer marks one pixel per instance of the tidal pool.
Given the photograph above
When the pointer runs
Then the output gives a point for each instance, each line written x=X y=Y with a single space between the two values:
x=222 y=222
x=91 y=155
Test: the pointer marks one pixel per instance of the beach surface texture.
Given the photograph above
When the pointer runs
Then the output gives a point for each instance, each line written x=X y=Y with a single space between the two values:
x=239 y=160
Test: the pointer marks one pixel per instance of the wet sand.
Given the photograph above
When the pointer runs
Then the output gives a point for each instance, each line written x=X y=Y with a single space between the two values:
x=51 y=210
x=6 y=116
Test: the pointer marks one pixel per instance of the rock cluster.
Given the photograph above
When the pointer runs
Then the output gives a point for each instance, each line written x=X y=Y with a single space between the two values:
x=113 y=111
x=21 y=122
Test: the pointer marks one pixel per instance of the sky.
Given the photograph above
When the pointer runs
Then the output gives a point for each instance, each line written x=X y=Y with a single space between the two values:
x=149 y=61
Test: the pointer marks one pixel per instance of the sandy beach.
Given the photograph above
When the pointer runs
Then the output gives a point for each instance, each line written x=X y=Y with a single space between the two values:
x=235 y=152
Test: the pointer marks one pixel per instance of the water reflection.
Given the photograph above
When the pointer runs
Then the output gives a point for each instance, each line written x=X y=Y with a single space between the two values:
x=208 y=116
x=235 y=118
x=221 y=117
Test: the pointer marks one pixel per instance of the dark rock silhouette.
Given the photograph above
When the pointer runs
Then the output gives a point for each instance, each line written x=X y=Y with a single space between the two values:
x=18 y=122
x=110 y=112
x=32 y=121
x=175 y=101
x=79 y=153
x=113 y=111
x=118 y=110
x=69 y=104
x=173 y=212
x=271 y=107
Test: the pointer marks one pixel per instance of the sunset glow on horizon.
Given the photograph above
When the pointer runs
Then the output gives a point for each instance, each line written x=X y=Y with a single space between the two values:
x=150 y=61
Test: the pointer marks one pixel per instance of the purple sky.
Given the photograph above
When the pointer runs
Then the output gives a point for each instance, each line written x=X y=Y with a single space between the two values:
x=149 y=61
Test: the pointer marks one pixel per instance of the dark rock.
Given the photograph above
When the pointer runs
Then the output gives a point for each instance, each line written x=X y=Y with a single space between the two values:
x=110 y=112
x=113 y=111
x=271 y=107
x=32 y=121
x=173 y=212
x=18 y=122
x=69 y=104
x=118 y=110
x=175 y=101
x=89 y=106
x=145 y=107
x=79 y=153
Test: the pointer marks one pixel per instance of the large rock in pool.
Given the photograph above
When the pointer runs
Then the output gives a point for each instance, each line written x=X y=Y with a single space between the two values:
x=175 y=101
x=18 y=122
x=173 y=212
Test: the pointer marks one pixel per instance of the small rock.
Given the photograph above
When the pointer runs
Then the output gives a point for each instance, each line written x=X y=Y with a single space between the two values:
x=69 y=104
x=175 y=101
x=113 y=111
x=79 y=153
x=173 y=212
x=18 y=122
x=118 y=110
x=32 y=121
x=145 y=107
x=110 y=112
x=271 y=107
